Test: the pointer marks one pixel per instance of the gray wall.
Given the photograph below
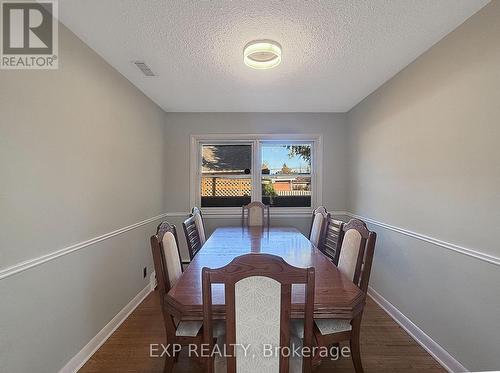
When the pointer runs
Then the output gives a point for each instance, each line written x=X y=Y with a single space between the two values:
x=180 y=126
x=424 y=156
x=81 y=155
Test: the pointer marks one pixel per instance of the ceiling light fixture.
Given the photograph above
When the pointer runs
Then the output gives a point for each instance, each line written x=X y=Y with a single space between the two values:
x=262 y=54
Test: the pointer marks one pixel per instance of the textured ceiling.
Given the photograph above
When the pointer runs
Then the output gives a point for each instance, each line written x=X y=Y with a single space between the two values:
x=335 y=52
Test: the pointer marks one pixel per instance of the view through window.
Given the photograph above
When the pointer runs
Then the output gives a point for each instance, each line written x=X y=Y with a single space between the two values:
x=228 y=175
x=286 y=175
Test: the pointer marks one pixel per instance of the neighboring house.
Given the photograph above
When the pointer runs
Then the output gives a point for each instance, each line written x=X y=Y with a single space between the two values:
x=282 y=185
x=226 y=159
x=224 y=170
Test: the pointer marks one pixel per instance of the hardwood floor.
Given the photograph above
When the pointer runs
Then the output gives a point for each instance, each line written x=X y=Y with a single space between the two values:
x=385 y=347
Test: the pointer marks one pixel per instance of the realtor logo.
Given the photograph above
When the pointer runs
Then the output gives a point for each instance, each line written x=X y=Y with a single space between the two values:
x=29 y=34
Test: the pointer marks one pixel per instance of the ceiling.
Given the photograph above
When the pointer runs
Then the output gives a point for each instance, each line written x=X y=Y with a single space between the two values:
x=335 y=52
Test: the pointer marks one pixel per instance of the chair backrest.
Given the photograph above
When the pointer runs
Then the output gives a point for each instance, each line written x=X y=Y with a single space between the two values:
x=192 y=236
x=200 y=224
x=332 y=239
x=356 y=253
x=166 y=255
x=168 y=266
x=255 y=214
x=318 y=225
x=258 y=290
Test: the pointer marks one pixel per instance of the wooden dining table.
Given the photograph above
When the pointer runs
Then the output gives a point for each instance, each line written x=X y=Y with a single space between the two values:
x=335 y=295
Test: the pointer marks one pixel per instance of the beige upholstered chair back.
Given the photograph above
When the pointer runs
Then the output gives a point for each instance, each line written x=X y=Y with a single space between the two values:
x=200 y=225
x=255 y=214
x=258 y=305
x=170 y=259
x=257 y=302
x=318 y=225
x=356 y=252
x=350 y=252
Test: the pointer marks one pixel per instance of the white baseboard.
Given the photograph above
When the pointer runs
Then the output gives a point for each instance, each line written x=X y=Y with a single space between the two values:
x=442 y=356
x=90 y=348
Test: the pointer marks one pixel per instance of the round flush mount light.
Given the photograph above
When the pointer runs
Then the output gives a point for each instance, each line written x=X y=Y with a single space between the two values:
x=262 y=54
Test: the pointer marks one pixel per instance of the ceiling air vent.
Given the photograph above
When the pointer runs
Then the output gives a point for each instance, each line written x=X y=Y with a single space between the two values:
x=144 y=68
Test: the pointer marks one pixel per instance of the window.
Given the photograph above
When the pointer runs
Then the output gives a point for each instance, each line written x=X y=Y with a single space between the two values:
x=225 y=175
x=286 y=175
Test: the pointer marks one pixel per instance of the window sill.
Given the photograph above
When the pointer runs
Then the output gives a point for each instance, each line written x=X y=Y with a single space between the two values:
x=230 y=212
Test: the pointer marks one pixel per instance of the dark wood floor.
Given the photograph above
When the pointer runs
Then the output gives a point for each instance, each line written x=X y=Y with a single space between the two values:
x=385 y=346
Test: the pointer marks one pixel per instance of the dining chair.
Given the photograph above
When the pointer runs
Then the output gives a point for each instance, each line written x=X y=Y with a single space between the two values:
x=258 y=307
x=318 y=224
x=355 y=262
x=255 y=214
x=330 y=246
x=200 y=224
x=168 y=268
x=192 y=234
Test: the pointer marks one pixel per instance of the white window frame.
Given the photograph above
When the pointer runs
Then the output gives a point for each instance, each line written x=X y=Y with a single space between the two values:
x=255 y=140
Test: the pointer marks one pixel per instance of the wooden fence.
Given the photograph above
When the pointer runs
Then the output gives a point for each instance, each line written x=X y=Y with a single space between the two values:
x=225 y=187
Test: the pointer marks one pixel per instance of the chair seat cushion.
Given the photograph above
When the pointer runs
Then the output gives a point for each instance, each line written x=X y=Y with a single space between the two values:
x=325 y=326
x=188 y=328
x=219 y=328
x=295 y=362
x=330 y=326
x=220 y=364
x=192 y=328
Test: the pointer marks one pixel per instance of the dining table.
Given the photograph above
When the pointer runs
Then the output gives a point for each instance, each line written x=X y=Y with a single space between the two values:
x=335 y=295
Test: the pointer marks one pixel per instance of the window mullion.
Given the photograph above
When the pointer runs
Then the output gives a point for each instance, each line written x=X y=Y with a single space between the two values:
x=256 y=170
x=198 y=173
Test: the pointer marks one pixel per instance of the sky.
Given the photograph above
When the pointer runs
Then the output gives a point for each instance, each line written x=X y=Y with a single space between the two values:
x=276 y=155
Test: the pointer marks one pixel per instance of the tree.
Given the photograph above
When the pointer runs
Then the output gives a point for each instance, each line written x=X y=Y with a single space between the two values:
x=303 y=151
x=285 y=170
x=268 y=190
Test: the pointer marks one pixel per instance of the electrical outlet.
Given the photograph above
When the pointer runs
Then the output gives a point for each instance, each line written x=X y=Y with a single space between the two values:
x=144 y=272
